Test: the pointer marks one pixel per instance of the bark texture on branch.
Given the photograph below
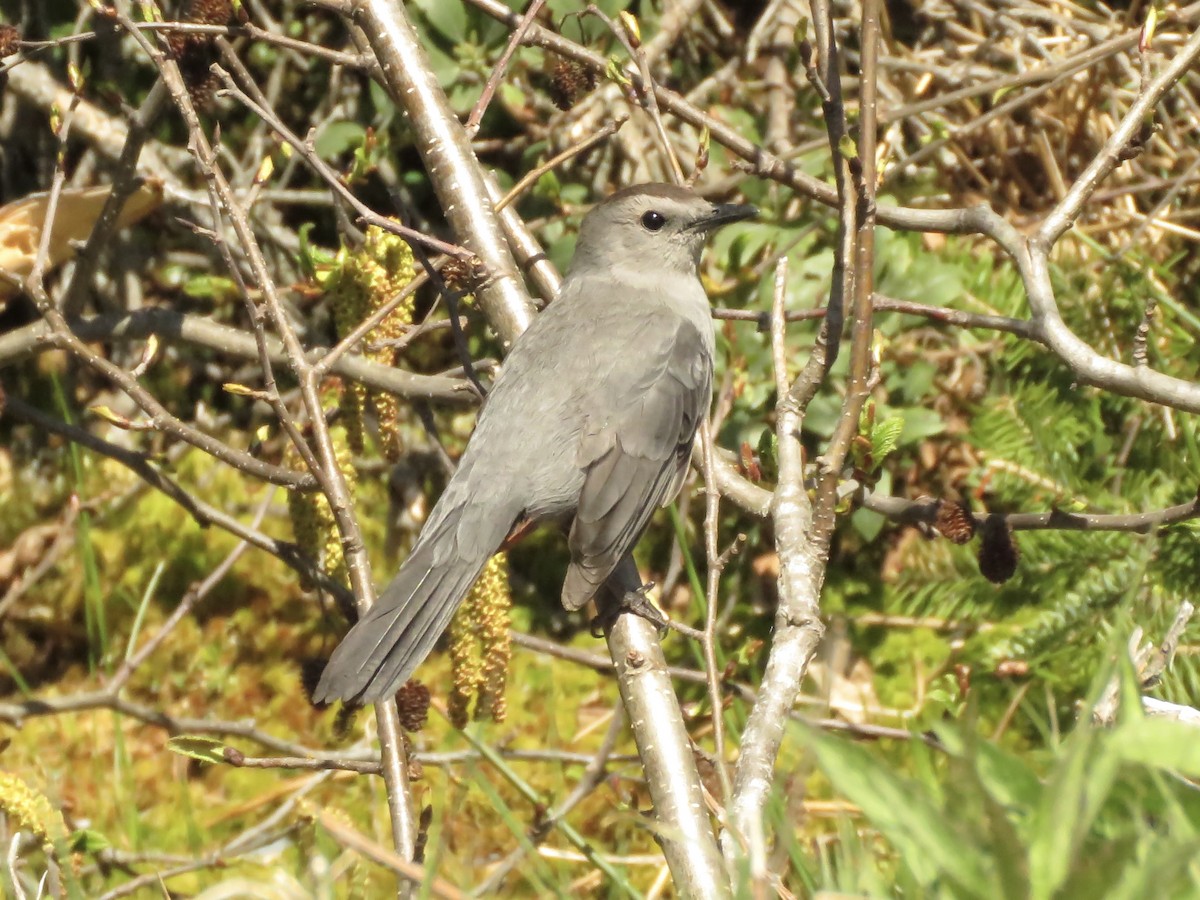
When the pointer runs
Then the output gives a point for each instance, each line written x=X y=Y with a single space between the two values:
x=683 y=829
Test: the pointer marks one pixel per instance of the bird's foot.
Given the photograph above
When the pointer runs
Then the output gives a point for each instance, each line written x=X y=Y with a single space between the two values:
x=636 y=602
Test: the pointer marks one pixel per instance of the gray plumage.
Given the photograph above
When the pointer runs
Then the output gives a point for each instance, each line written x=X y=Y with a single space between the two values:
x=591 y=422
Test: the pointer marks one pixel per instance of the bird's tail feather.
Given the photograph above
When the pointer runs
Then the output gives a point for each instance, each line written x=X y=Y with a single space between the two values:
x=399 y=631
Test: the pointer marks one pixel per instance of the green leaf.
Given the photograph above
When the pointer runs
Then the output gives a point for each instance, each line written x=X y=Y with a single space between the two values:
x=1005 y=777
x=885 y=437
x=210 y=287
x=1158 y=743
x=988 y=821
x=196 y=746
x=1074 y=795
x=87 y=840
x=1159 y=871
x=337 y=137
x=548 y=186
x=311 y=256
x=867 y=523
x=920 y=424
x=615 y=72
x=991 y=788
x=928 y=841
x=917 y=381
x=449 y=19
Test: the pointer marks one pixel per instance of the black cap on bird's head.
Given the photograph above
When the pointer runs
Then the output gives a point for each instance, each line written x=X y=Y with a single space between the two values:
x=651 y=226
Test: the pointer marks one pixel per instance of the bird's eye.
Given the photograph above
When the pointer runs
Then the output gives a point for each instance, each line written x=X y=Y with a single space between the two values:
x=653 y=221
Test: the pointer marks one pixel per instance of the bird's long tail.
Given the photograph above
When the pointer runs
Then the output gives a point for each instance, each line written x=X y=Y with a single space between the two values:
x=399 y=631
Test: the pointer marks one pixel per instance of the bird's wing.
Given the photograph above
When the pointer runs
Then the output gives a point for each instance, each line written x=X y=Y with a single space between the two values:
x=635 y=457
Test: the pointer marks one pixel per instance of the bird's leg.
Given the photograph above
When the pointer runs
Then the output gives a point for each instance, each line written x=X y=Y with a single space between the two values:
x=636 y=602
x=521 y=529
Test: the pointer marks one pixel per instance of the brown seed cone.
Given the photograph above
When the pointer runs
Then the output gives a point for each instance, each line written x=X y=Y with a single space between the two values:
x=412 y=704
x=463 y=275
x=179 y=43
x=208 y=12
x=195 y=52
x=998 y=551
x=344 y=721
x=202 y=84
x=955 y=521
x=310 y=673
x=198 y=12
x=423 y=823
x=570 y=81
x=10 y=35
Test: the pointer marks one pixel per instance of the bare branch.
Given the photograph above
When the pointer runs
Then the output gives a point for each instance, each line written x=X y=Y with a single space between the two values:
x=899 y=509
x=798 y=627
x=348 y=837
x=328 y=473
x=665 y=748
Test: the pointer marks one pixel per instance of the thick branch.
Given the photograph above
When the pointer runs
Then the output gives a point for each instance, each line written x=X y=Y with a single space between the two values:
x=1033 y=261
x=803 y=529
x=665 y=748
x=798 y=627
x=446 y=151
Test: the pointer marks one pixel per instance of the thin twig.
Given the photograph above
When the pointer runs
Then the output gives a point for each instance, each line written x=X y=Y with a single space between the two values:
x=498 y=70
x=715 y=565
x=326 y=469
x=530 y=178
x=359 y=843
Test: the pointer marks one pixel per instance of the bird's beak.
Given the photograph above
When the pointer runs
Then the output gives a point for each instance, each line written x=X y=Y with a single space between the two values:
x=723 y=214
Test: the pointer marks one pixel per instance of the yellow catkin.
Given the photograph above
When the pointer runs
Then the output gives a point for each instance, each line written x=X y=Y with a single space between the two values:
x=353 y=407
x=313 y=525
x=347 y=300
x=32 y=811
x=387 y=412
x=480 y=650
x=334 y=558
x=495 y=646
x=359 y=284
x=306 y=510
x=465 y=666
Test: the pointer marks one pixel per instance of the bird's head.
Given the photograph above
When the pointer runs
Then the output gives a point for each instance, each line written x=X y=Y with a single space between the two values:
x=650 y=228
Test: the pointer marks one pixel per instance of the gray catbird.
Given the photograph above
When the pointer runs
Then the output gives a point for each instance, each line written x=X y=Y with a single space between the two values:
x=591 y=422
